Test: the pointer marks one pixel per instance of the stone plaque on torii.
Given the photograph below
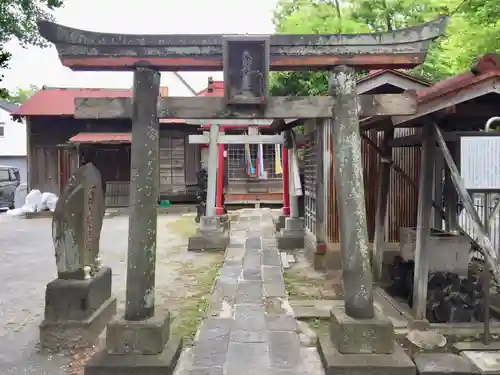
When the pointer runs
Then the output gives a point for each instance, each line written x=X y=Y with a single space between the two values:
x=246 y=97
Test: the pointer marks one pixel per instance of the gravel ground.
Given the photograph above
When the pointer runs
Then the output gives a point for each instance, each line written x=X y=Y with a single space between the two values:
x=27 y=264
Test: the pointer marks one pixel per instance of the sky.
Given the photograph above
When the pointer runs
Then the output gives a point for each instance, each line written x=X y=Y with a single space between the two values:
x=35 y=66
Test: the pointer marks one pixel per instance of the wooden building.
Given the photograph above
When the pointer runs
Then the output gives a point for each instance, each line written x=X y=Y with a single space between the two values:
x=321 y=218
x=243 y=188
x=57 y=143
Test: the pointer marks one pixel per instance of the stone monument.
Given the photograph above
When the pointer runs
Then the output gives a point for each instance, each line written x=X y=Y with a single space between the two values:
x=78 y=304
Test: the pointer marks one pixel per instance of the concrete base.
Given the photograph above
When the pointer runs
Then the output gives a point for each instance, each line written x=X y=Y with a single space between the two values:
x=279 y=223
x=444 y=363
x=70 y=334
x=213 y=235
x=334 y=362
x=330 y=260
x=76 y=311
x=292 y=235
x=486 y=362
x=69 y=299
x=163 y=363
x=355 y=336
x=138 y=337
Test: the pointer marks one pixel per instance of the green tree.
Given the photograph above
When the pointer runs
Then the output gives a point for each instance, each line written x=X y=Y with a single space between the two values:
x=18 y=21
x=22 y=95
x=306 y=17
x=473 y=31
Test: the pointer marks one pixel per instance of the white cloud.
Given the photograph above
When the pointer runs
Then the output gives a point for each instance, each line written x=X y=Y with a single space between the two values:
x=42 y=66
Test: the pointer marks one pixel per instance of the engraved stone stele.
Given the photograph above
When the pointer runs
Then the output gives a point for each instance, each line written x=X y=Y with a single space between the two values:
x=77 y=223
x=78 y=304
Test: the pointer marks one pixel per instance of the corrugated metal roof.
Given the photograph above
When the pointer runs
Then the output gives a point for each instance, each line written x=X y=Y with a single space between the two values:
x=61 y=101
x=486 y=67
x=101 y=138
x=9 y=107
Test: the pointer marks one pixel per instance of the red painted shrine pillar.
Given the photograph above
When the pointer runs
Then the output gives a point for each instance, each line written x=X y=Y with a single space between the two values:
x=286 y=182
x=220 y=181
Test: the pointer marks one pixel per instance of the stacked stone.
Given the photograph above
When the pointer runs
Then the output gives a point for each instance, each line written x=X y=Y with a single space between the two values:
x=450 y=298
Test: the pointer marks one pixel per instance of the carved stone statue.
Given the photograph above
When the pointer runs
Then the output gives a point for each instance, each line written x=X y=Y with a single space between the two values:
x=77 y=223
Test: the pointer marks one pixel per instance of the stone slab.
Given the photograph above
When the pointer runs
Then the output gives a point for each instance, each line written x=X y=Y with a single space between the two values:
x=164 y=363
x=487 y=362
x=253 y=243
x=279 y=223
x=271 y=258
x=73 y=334
x=249 y=292
x=294 y=224
x=444 y=363
x=209 y=241
x=290 y=240
x=476 y=345
x=247 y=358
x=334 y=362
x=281 y=322
x=305 y=309
x=361 y=335
x=284 y=349
x=249 y=317
x=77 y=299
x=138 y=337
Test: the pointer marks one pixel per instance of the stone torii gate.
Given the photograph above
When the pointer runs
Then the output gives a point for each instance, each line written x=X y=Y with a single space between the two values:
x=140 y=339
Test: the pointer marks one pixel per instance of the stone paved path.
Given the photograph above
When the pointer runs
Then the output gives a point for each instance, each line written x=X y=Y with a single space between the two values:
x=250 y=328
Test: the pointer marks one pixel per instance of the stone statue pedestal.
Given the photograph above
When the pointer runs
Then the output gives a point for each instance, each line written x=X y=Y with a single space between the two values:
x=212 y=235
x=76 y=311
x=137 y=347
x=292 y=235
x=279 y=223
x=362 y=346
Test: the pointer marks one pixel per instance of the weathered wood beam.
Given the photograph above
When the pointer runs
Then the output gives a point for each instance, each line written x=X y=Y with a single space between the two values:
x=238 y=139
x=449 y=136
x=437 y=105
x=287 y=107
x=399 y=170
x=86 y=50
x=383 y=185
x=481 y=233
x=422 y=255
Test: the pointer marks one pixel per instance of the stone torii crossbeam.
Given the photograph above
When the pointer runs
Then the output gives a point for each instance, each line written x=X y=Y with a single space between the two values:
x=246 y=61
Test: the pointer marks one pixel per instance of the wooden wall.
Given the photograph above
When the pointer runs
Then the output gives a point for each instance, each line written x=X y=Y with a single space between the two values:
x=402 y=209
x=45 y=133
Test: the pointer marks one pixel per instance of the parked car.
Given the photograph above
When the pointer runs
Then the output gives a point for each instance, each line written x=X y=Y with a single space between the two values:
x=9 y=181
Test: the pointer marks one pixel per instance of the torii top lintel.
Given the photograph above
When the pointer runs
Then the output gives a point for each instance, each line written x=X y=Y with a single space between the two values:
x=85 y=50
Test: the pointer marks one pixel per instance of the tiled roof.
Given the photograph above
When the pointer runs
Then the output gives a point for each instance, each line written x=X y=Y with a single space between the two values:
x=9 y=107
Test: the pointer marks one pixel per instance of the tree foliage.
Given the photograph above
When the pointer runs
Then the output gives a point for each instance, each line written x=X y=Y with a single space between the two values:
x=473 y=31
x=18 y=21
x=22 y=95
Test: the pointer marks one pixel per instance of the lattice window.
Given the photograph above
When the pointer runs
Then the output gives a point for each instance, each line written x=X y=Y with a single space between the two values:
x=237 y=161
x=310 y=171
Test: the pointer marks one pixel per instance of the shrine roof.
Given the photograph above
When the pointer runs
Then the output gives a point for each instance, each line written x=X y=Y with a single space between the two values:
x=375 y=73
x=486 y=67
x=101 y=138
x=482 y=79
x=57 y=101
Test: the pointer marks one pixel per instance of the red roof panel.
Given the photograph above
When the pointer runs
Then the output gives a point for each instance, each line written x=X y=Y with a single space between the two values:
x=61 y=101
x=486 y=67
x=101 y=138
